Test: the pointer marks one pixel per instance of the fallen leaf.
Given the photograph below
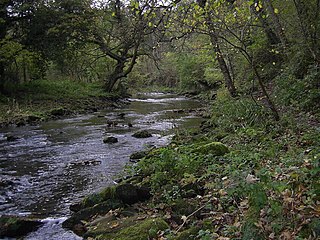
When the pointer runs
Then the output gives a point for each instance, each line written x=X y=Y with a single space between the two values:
x=114 y=225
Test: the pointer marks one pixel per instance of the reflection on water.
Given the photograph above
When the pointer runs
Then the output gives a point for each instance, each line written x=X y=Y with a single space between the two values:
x=59 y=162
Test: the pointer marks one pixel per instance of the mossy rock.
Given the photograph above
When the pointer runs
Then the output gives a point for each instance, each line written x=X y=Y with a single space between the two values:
x=214 y=148
x=33 y=118
x=58 y=112
x=12 y=226
x=87 y=213
x=138 y=155
x=142 y=134
x=188 y=234
x=96 y=198
x=129 y=229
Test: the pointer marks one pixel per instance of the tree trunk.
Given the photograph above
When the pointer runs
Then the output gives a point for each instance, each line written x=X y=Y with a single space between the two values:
x=2 y=78
x=276 y=23
x=117 y=74
x=265 y=93
x=223 y=65
x=307 y=22
x=271 y=35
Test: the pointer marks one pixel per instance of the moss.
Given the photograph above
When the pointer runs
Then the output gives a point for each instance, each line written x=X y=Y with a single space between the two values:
x=188 y=234
x=215 y=148
x=132 y=229
x=142 y=134
x=93 y=199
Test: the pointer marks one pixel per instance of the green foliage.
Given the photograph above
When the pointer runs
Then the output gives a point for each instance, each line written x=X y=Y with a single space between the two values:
x=303 y=94
x=232 y=114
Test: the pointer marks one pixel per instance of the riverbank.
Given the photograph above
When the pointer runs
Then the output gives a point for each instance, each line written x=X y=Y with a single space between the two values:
x=245 y=176
x=42 y=100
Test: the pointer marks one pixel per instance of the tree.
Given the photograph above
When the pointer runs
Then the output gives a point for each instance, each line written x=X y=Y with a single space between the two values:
x=123 y=33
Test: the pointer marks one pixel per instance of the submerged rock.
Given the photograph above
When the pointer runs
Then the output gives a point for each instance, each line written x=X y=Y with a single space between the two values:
x=142 y=134
x=110 y=140
x=11 y=138
x=12 y=226
x=214 y=148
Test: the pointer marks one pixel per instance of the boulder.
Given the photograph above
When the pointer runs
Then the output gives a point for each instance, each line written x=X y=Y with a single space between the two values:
x=110 y=140
x=58 y=112
x=131 y=194
x=11 y=138
x=101 y=203
x=85 y=214
x=138 y=155
x=12 y=226
x=33 y=118
x=214 y=148
x=5 y=182
x=142 y=134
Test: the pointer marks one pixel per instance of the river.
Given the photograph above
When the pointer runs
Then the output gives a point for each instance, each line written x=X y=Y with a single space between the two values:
x=54 y=164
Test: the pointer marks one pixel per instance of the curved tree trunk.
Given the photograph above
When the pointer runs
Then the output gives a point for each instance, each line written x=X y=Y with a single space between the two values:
x=117 y=74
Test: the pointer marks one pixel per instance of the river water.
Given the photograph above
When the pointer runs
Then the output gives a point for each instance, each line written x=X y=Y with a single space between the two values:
x=57 y=163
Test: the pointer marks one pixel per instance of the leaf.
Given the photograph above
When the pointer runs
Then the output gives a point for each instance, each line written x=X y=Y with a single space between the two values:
x=114 y=225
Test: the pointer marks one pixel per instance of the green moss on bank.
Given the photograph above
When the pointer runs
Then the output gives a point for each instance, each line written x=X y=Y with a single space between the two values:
x=132 y=229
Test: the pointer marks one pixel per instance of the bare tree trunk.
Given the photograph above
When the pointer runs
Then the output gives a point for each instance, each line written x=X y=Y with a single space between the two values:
x=271 y=35
x=307 y=24
x=276 y=23
x=223 y=65
x=270 y=103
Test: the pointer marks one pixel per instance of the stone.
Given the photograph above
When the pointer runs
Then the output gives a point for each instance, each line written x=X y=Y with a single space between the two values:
x=75 y=207
x=138 y=155
x=33 y=118
x=131 y=194
x=11 y=138
x=214 y=148
x=12 y=226
x=110 y=140
x=121 y=115
x=86 y=213
x=5 y=183
x=58 y=112
x=142 y=134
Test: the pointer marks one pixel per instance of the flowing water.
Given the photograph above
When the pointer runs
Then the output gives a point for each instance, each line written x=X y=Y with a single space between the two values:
x=57 y=163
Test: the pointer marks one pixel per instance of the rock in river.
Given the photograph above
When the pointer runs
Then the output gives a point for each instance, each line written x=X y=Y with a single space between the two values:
x=110 y=140
x=142 y=134
x=12 y=226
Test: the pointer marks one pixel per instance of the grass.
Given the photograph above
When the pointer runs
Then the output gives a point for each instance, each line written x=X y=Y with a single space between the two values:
x=40 y=96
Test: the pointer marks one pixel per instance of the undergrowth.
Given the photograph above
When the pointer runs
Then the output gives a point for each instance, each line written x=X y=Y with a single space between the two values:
x=266 y=187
